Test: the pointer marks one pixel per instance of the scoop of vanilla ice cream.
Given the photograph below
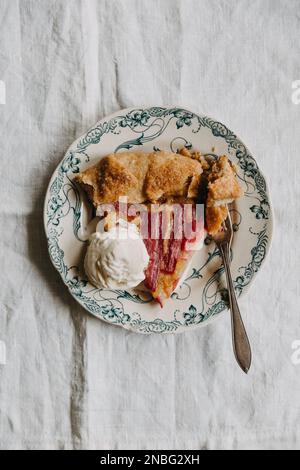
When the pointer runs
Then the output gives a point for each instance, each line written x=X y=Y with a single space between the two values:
x=116 y=259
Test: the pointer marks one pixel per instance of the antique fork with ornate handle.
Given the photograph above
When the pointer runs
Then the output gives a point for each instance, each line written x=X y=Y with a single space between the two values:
x=241 y=345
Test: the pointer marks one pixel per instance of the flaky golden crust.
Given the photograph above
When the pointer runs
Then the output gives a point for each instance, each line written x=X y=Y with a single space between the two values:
x=164 y=177
x=141 y=177
x=223 y=188
x=170 y=174
x=223 y=184
x=114 y=177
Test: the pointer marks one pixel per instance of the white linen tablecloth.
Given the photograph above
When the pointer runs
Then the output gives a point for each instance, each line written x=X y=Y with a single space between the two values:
x=71 y=381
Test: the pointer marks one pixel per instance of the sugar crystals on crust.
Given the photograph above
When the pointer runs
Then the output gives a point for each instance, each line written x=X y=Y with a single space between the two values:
x=141 y=177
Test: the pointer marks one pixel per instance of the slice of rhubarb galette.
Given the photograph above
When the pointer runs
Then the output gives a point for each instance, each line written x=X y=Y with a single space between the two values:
x=166 y=187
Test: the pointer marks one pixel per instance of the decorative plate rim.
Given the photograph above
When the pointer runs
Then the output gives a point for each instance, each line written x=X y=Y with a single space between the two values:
x=156 y=325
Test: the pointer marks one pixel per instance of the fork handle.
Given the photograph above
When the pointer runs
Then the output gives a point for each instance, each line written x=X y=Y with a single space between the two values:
x=241 y=345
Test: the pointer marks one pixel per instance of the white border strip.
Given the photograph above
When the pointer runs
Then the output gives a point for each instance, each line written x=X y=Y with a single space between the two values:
x=2 y=92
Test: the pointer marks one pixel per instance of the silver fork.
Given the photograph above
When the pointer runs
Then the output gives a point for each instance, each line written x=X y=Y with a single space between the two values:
x=241 y=345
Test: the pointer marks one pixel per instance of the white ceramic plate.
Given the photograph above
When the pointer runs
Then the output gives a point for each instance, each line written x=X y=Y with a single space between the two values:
x=202 y=294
